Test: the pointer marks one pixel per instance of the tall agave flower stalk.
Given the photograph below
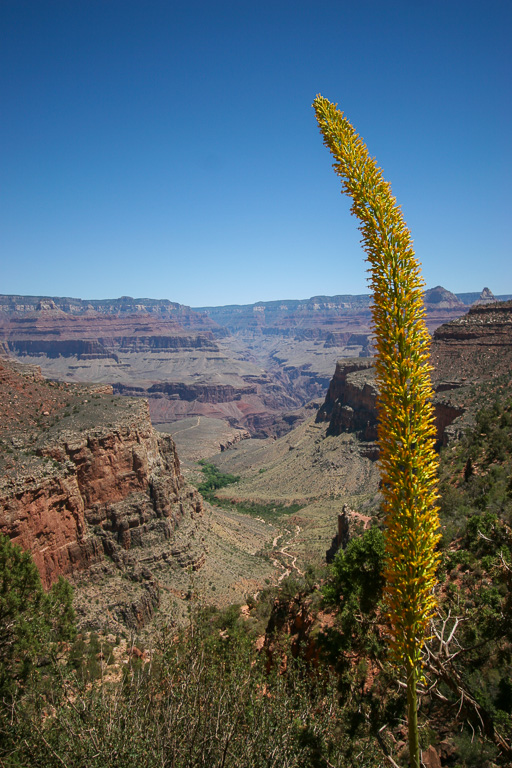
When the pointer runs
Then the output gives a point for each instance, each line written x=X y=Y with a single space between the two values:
x=408 y=462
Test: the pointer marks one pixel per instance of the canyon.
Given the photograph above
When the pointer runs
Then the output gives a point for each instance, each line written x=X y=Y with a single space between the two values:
x=89 y=486
x=96 y=494
x=247 y=368
x=329 y=461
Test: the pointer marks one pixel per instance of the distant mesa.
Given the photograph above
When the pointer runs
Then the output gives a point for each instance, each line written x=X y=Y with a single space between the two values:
x=440 y=298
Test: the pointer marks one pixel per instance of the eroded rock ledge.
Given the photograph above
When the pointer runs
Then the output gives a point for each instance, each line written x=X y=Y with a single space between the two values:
x=351 y=405
x=473 y=349
x=89 y=487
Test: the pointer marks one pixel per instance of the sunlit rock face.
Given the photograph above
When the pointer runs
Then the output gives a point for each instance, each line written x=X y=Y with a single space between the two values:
x=86 y=477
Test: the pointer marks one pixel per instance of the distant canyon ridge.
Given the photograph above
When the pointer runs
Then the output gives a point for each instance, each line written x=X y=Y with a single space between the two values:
x=251 y=366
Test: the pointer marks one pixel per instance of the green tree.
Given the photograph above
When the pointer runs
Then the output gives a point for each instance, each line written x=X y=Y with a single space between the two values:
x=408 y=461
x=31 y=620
x=356 y=572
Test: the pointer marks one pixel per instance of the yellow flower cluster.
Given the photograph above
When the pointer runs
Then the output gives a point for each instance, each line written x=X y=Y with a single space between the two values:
x=408 y=461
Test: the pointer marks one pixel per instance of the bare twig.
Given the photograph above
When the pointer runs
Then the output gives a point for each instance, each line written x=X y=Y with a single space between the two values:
x=385 y=749
x=442 y=667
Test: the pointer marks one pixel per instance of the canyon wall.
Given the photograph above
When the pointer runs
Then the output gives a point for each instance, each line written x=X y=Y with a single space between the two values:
x=330 y=318
x=160 y=350
x=87 y=483
x=469 y=350
x=351 y=404
x=88 y=493
x=249 y=366
x=477 y=345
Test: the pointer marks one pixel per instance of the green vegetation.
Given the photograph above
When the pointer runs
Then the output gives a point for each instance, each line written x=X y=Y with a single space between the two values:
x=203 y=700
x=357 y=573
x=215 y=479
x=32 y=622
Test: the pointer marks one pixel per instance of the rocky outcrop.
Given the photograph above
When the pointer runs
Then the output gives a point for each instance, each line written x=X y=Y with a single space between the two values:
x=486 y=297
x=351 y=401
x=351 y=405
x=200 y=393
x=474 y=297
x=439 y=298
x=97 y=336
x=94 y=483
x=477 y=346
x=12 y=305
x=313 y=318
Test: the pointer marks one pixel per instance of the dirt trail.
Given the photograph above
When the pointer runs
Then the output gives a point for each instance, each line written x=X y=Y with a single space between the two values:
x=290 y=566
x=193 y=426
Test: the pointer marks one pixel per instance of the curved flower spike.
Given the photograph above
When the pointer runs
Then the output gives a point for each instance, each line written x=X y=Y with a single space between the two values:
x=408 y=462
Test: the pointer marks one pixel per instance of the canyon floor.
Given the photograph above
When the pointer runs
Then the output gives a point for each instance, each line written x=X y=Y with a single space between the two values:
x=294 y=487
x=280 y=517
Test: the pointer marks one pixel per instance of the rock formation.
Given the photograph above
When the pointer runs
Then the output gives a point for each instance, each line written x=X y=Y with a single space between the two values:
x=351 y=405
x=486 y=297
x=470 y=350
x=89 y=485
x=99 y=330
x=477 y=345
x=351 y=401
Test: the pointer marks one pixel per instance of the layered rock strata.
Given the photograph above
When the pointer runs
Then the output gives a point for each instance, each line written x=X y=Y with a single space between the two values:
x=247 y=365
x=330 y=318
x=351 y=401
x=470 y=350
x=351 y=406
x=159 y=350
x=89 y=484
x=475 y=346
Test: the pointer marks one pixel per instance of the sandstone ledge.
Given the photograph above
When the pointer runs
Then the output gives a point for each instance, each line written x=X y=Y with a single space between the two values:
x=95 y=489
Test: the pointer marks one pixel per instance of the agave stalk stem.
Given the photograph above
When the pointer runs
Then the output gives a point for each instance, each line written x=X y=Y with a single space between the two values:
x=408 y=462
x=412 y=715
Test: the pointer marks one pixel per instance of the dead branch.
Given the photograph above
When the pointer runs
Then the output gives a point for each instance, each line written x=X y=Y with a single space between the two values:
x=441 y=666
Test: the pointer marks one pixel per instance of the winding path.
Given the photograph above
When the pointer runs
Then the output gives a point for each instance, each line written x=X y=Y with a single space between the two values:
x=291 y=566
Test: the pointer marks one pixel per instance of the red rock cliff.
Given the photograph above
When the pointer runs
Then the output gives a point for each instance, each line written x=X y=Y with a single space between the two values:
x=94 y=479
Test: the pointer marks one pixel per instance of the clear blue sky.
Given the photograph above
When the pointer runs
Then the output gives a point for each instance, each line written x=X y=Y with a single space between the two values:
x=169 y=149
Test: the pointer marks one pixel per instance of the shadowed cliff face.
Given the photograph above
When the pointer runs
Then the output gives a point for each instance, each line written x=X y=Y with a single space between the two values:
x=88 y=483
x=351 y=405
x=351 y=401
x=469 y=350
